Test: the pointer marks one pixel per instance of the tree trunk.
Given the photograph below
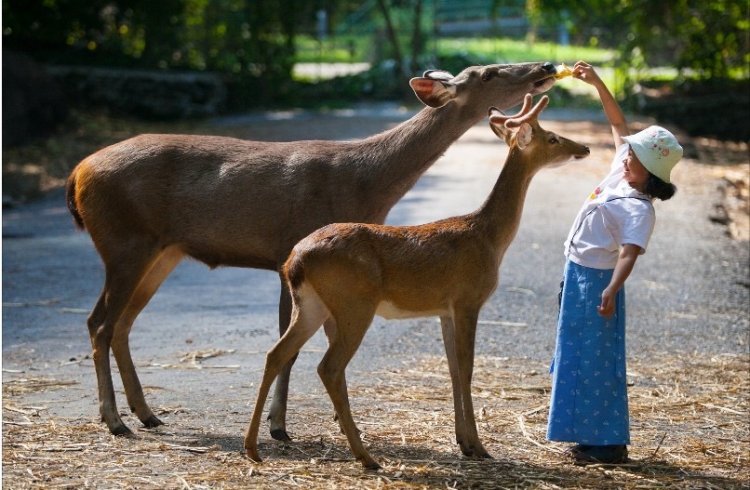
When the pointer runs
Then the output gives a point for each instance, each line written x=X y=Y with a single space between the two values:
x=417 y=40
x=399 y=59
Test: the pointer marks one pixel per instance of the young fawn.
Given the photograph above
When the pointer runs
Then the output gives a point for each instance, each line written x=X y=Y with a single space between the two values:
x=344 y=274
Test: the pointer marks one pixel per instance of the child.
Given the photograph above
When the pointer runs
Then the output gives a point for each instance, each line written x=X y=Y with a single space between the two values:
x=589 y=404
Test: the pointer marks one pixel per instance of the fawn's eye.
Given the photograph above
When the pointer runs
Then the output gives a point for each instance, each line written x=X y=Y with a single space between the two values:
x=553 y=140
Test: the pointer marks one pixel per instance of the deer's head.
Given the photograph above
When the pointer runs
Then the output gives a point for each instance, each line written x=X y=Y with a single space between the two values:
x=523 y=133
x=480 y=87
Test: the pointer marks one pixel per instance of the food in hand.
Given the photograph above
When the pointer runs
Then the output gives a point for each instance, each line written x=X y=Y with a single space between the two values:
x=563 y=71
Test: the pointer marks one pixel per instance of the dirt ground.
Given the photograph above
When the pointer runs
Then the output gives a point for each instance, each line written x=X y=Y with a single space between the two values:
x=689 y=410
x=695 y=434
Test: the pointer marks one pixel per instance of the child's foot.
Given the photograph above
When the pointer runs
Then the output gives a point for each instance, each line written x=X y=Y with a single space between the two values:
x=616 y=454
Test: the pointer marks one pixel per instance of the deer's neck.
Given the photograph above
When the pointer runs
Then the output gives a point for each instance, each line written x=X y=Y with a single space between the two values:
x=500 y=215
x=395 y=159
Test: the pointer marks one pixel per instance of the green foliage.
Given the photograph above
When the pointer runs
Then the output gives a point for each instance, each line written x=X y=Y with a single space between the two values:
x=708 y=38
x=255 y=43
x=242 y=38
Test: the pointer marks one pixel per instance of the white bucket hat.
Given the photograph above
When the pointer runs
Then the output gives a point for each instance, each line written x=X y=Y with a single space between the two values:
x=657 y=149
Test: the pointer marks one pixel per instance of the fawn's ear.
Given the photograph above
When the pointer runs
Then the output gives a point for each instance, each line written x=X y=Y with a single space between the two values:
x=524 y=134
x=434 y=93
x=497 y=123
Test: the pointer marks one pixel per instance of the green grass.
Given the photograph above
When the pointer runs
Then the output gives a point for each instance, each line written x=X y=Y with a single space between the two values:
x=516 y=51
x=349 y=49
x=339 y=49
x=455 y=54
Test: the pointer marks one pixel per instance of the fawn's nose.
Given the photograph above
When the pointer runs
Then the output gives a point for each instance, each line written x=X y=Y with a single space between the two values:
x=549 y=67
x=586 y=152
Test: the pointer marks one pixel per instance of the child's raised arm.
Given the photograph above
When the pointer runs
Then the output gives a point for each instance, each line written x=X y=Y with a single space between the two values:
x=585 y=72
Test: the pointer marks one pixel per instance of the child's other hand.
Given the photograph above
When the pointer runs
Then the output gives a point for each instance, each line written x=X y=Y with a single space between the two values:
x=607 y=308
x=585 y=72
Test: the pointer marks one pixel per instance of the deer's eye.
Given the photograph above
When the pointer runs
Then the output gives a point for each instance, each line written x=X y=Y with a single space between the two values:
x=489 y=74
x=553 y=140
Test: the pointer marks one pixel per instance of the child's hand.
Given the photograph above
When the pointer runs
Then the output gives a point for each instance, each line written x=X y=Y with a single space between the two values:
x=585 y=72
x=609 y=301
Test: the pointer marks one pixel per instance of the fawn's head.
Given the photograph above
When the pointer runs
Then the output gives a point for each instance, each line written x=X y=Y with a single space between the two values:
x=480 y=87
x=538 y=146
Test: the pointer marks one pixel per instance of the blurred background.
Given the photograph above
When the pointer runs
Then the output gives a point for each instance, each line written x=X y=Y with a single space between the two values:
x=80 y=74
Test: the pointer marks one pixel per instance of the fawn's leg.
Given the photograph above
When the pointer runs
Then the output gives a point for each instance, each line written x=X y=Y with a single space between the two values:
x=307 y=316
x=351 y=326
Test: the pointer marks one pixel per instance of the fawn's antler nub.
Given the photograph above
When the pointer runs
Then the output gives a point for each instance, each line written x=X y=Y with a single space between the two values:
x=521 y=118
x=500 y=118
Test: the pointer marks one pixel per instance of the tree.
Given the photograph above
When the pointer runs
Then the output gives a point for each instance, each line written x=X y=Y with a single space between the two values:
x=244 y=38
x=404 y=67
x=709 y=37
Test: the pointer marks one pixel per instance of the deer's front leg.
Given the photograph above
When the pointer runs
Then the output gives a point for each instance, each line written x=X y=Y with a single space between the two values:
x=465 y=325
x=449 y=340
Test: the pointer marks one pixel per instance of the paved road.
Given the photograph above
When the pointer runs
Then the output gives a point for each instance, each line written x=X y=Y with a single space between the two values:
x=687 y=296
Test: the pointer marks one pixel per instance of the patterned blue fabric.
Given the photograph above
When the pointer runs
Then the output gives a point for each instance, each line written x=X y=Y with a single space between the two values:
x=589 y=403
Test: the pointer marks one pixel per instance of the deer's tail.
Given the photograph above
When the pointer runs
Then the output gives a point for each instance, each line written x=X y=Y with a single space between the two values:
x=70 y=199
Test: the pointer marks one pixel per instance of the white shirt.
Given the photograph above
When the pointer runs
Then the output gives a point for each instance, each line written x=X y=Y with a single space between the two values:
x=614 y=214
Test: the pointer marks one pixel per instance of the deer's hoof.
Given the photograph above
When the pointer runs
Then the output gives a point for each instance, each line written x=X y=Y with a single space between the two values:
x=121 y=430
x=152 y=422
x=280 y=435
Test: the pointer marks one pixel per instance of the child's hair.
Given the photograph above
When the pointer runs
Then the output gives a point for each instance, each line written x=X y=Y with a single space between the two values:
x=657 y=188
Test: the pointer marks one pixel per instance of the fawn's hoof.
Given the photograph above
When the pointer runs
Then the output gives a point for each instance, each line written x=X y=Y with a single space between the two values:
x=252 y=455
x=474 y=452
x=370 y=465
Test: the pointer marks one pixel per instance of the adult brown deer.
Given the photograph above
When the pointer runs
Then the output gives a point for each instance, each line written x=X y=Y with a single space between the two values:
x=149 y=201
x=342 y=275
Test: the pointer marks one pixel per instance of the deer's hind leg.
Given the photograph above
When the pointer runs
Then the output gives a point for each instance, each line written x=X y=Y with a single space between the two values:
x=160 y=269
x=95 y=320
x=124 y=272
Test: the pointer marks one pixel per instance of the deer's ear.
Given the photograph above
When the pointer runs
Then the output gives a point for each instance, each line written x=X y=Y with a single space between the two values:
x=497 y=123
x=434 y=93
x=438 y=75
x=523 y=135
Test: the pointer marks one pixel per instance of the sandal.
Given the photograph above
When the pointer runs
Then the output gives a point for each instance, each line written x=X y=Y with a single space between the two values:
x=614 y=454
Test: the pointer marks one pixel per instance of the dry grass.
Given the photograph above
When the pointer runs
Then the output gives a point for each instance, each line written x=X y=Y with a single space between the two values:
x=689 y=427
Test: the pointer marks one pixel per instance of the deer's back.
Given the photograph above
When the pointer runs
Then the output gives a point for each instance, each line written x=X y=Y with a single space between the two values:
x=223 y=200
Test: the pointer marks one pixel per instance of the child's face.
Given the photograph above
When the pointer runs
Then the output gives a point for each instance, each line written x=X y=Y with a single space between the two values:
x=635 y=173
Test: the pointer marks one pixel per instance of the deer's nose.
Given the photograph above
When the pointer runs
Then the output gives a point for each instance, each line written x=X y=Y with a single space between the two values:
x=549 y=67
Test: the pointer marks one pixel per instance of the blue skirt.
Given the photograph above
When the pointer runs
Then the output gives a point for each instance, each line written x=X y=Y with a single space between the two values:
x=589 y=403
